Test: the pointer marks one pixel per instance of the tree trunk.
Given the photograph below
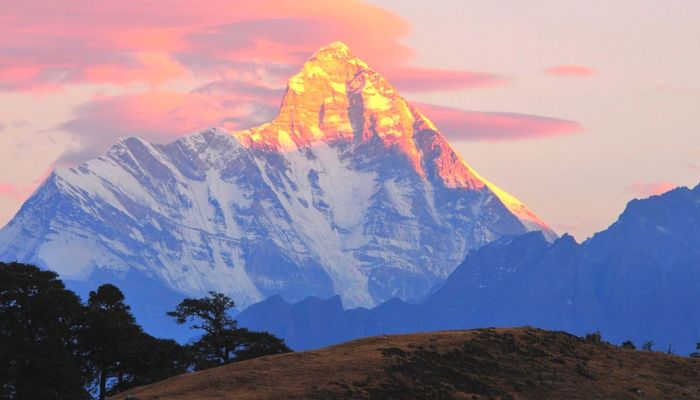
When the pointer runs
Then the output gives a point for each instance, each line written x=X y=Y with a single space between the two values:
x=226 y=355
x=103 y=384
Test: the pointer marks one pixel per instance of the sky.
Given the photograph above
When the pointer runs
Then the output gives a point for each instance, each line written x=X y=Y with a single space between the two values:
x=574 y=107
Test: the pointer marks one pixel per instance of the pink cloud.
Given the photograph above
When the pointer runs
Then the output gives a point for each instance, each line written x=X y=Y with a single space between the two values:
x=43 y=176
x=412 y=79
x=13 y=191
x=245 y=49
x=22 y=191
x=461 y=125
x=45 y=46
x=161 y=116
x=571 y=70
x=49 y=45
x=241 y=90
x=645 y=189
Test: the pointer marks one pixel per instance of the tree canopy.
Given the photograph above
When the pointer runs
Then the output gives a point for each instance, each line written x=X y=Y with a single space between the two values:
x=222 y=342
x=40 y=324
x=53 y=346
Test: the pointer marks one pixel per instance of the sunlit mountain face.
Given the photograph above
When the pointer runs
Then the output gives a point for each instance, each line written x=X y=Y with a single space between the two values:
x=337 y=98
x=350 y=190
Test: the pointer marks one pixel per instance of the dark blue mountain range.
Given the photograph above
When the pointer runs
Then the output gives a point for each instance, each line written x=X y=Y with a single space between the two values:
x=638 y=280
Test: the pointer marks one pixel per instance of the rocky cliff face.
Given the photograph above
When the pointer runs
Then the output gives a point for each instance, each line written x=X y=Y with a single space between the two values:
x=349 y=190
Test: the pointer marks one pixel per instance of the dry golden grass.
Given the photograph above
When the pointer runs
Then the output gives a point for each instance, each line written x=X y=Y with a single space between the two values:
x=522 y=363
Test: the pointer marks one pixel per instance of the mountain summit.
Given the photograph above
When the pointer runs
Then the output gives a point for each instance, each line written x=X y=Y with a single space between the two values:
x=338 y=98
x=349 y=190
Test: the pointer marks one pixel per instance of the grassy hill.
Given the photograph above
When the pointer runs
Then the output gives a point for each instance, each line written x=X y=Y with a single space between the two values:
x=520 y=363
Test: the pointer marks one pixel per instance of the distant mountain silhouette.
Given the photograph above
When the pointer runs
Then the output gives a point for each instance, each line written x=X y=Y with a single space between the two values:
x=639 y=280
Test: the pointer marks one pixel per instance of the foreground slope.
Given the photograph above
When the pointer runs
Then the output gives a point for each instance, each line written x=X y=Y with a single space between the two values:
x=637 y=280
x=350 y=190
x=481 y=364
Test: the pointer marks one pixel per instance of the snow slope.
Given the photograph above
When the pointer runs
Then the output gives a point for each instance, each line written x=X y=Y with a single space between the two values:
x=349 y=191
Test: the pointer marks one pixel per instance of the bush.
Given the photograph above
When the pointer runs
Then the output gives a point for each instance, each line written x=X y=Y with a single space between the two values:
x=696 y=354
x=629 y=345
x=595 y=338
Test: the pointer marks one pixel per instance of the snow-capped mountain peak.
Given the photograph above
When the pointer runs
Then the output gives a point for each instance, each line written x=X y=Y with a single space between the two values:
x=335 y=96
x=338 y=97
x=350 y=190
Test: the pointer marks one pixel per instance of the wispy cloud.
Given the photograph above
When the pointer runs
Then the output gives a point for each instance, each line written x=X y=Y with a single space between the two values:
x=461 y=125
x=571 y=70
x=160 y=116
x=645 y=189
x=22 y=191
x=414 y=80
x=18 y=192
x=45 y=46
x=244 y=50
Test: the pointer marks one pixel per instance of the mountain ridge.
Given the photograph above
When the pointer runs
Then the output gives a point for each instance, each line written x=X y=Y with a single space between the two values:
x=349 y=190
x=635 y=281
x=369 y=88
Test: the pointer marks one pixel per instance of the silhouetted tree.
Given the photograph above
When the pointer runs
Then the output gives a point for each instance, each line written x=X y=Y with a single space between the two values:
x=258 y=344
x=211 y=312
x=150 y=360
x=164 y=358
x=211 y=315
x=696 y=354
x=222 y=341
x=629 y=345
x=40 y=321
x=54 y=347
x=595 y=337
x=120 y=354
x=648 y=345
x=110 y=336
